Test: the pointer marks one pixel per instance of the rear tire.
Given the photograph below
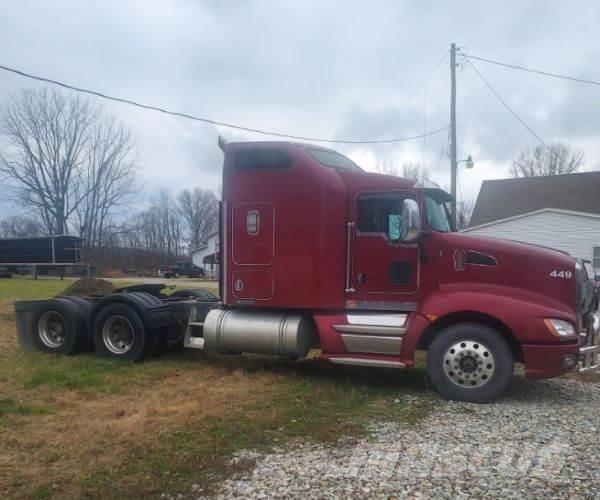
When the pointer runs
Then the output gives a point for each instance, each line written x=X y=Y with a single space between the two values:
x=119 y=333
x=60 y=326
x=469 y=362
x=86 y=308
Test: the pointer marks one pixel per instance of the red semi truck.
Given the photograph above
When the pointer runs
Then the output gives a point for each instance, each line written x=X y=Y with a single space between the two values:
x=317 y=253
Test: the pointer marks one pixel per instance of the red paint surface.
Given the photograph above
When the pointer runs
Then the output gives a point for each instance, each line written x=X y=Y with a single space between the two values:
x=301 y=256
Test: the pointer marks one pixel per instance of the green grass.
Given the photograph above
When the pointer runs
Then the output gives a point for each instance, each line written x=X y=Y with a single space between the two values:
x=10 y=406
x=30 y=289
x=86 y=373
x=307 y=400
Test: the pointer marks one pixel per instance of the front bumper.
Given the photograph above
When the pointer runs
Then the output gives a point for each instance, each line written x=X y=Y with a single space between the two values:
x=549 y=360
x=589 y=350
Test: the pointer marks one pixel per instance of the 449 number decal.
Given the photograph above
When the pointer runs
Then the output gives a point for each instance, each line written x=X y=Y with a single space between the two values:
x=561 y=274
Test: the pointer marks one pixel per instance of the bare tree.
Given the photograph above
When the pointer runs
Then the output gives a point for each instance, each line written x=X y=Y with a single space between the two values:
x=200 y=209
x=464 y=211
x=108 y=181
x=412 y=171
x=387 y=168
x=19 y=226
x=553 y=160
x=48 y=136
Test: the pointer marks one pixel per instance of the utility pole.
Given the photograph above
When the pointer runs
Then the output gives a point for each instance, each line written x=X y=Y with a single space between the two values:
x=453 y=161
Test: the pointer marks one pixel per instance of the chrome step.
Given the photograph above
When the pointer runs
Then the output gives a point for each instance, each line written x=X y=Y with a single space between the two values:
x=192 y=340
x=195 y=343
x=379 y=363
x=374 y=344
x=392 y=331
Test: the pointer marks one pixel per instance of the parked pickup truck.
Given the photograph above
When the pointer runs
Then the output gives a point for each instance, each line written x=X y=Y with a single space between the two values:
x=181 y=268
x=367 y=268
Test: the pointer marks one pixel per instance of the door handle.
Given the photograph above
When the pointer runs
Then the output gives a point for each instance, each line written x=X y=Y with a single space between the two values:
x=361 y=278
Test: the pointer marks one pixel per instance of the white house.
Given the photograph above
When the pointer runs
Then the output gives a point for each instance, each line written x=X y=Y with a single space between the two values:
x=558 y=211
x=207 y=256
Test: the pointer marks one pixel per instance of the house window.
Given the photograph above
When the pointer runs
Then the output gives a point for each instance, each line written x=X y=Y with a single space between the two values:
x=596 y=259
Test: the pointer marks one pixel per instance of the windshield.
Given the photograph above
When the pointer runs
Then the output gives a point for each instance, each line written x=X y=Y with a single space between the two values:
x=436 y=214
x=332 y=159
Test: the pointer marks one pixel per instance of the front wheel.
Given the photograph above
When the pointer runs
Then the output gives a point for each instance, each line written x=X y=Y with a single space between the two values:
x=469 y=362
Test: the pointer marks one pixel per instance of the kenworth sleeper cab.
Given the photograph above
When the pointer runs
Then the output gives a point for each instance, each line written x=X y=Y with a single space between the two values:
x=317 y=253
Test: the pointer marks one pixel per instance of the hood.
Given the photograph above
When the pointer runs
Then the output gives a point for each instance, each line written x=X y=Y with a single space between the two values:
x=494 y=261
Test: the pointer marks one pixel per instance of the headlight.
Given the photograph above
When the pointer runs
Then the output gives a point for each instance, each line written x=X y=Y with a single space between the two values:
x=560 y=327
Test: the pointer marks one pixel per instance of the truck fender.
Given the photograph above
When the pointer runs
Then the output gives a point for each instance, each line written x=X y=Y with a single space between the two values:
x=152 y=311
x=515 y=316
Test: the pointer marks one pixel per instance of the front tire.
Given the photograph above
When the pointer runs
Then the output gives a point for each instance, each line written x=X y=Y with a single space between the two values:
x=469 y=362
x=119 y=333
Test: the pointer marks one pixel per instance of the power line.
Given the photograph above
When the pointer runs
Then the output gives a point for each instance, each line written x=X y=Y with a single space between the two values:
x=207 y=120
x=505 y=104
x=530 y=70
x=408 y=99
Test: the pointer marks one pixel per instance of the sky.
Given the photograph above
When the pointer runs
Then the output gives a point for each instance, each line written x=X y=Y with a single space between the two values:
x=339 y=70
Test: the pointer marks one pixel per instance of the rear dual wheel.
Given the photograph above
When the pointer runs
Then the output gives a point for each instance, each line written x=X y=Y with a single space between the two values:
x=119 y=333
x=61 y=326
x=470 y=362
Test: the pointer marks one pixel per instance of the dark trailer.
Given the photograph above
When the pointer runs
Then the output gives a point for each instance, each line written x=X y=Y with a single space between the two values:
x=21 y=255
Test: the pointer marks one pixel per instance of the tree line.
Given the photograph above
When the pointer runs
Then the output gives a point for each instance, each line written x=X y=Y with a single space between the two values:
x=543 y=160
x=73 y=170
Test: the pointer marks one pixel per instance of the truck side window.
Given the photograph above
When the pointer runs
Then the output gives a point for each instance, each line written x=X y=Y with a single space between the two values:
x=261 y=159
x=379 y=214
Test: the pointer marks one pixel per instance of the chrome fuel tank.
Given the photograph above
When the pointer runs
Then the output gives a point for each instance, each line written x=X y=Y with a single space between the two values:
x=232 y=330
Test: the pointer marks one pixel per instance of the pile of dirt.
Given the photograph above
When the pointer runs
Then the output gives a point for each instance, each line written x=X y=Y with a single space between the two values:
x=86 y=287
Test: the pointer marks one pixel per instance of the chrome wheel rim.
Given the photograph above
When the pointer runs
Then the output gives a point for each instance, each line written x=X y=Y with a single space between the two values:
x=117 y=334
x=52 y=329
x=469 y=364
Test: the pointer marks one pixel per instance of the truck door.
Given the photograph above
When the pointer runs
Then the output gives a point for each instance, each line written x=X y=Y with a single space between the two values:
x=380 y=263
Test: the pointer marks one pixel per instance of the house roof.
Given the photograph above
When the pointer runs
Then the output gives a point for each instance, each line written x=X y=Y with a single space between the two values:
x=506 y=198
x=204 y=244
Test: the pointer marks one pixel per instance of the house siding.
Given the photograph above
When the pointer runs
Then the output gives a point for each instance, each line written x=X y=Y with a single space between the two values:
x=211 y=246
x=573 y=233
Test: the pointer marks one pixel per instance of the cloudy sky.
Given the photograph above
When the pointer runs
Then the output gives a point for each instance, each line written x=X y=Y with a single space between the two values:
x=330 y=69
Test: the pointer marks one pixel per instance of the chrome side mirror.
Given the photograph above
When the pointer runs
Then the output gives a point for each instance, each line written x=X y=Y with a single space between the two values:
x=411 y=221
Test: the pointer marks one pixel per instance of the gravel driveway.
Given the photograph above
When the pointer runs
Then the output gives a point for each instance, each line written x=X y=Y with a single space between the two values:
x=542 y=438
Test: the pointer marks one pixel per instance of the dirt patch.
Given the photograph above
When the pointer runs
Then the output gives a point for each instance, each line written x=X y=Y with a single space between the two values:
x=87 y=287
x=7 y=313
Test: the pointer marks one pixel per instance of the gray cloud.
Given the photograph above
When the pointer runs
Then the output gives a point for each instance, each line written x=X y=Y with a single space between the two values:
x=321 y=68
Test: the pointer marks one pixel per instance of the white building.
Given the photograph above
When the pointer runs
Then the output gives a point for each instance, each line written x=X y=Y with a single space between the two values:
x=207 y=256
x=558 y=211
